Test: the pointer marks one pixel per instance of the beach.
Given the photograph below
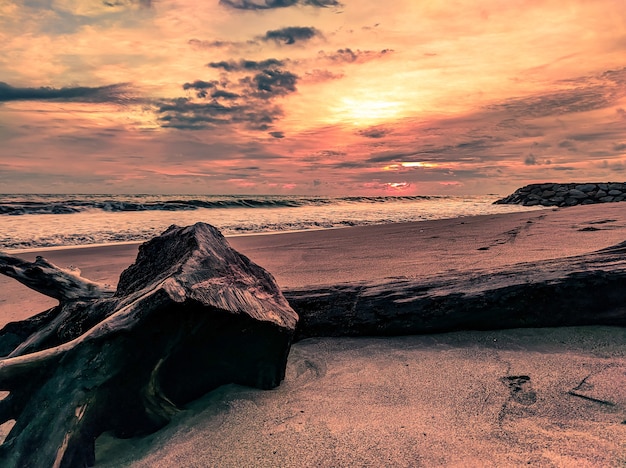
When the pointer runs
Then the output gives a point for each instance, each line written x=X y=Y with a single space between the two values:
x=542 y=397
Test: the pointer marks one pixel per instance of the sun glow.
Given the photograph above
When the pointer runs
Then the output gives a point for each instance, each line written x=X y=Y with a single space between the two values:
x=367 y=111
x=395 y=167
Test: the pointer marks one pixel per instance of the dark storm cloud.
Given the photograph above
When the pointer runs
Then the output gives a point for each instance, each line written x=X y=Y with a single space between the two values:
x=111 y=93
x=246 y=65
x=271 y=4
x=291 y=34
x=348 y=55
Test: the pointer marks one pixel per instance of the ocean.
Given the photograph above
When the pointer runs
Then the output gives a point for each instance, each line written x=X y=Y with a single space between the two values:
x=30 y=222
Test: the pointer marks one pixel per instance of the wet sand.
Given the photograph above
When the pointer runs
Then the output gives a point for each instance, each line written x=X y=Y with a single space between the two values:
x=548 y=397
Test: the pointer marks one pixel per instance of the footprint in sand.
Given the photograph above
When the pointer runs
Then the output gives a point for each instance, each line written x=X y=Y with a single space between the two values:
x=521 y=389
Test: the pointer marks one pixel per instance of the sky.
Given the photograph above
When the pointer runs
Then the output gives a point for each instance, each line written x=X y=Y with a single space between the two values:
x=316 y=97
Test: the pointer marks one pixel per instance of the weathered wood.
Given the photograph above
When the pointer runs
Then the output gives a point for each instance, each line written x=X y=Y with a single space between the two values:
x=50 y=280
x=582 y=290
x=191 y=314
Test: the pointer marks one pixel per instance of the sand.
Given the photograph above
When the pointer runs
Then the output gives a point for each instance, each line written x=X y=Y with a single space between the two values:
x=544 y=397
x=440 y=400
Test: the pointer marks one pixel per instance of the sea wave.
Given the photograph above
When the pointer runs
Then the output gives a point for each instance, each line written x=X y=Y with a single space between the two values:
x=54 y=204
x=47 y=221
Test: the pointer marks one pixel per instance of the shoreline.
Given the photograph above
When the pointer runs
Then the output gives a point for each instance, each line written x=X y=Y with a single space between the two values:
x=42 y=250
x=548 y=396
x=361 y=253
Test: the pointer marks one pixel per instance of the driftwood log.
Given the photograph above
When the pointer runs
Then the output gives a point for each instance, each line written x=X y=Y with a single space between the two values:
x=189 y=315
x=192 y=314
x=580 y=290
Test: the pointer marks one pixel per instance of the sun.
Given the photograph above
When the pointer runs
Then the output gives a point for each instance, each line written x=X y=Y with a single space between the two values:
x=367 y=111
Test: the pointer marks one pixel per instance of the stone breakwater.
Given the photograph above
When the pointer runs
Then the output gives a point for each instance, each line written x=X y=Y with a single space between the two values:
x=551 y=194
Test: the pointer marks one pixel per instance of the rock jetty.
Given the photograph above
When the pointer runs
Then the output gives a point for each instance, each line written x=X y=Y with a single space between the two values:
x=553 y=194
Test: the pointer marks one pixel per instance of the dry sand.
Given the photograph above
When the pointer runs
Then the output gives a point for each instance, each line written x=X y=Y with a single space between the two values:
x=439 y=400
x=549 y=397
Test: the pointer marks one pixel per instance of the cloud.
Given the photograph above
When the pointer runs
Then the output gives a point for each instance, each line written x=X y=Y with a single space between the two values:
x=272 y=4
x=291 y=34
x=557 y=103
x=530 y=160
x=223 y=94
x=348 y=55
x=590 y=93
x=186 y=114
x=126 y=3
x=200 y=86
x=210 y=44
x=269 y=83
x=110 y=93
x=248 y=101
x=466 y=151
x=246 y=65
x=594 y=136
x=244 y=95
x=319 y=76
x=375 y=132
x=620 y=147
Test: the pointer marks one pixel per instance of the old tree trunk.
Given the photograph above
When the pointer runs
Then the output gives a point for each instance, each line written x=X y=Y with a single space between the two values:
x=189 y=315
x=192 y=314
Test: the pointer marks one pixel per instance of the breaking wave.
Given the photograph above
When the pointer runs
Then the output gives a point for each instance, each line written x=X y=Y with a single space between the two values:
x=44 y=221
x=55 y=204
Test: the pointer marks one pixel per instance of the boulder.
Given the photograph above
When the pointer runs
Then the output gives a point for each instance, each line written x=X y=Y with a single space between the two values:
x=575 y=193
x=552 y=194
x=586 y=187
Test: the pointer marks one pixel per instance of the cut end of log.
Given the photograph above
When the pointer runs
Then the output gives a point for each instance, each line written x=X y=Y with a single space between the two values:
x=202 y=266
